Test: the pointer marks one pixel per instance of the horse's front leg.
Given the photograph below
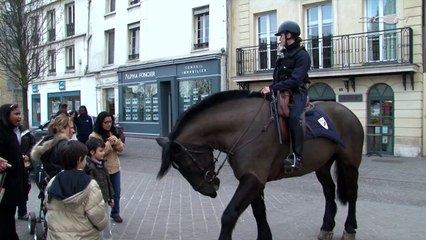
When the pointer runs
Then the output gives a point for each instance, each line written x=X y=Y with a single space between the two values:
x=259 y=211
x=248 y=189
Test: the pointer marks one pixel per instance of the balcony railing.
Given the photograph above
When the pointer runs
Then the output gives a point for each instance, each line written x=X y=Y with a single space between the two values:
x=201 y=45
x=133 y=56
x=70 y=29
x=337 y=52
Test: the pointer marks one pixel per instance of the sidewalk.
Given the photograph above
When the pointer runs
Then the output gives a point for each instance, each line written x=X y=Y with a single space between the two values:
x=391 y=205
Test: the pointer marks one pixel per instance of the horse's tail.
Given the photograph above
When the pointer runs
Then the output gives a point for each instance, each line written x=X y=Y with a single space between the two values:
x=341 y=186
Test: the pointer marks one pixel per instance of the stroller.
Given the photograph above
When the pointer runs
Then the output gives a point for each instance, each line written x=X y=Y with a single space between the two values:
x=37 y=225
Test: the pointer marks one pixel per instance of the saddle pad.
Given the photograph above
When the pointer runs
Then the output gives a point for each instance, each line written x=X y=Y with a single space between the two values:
x=318 y=124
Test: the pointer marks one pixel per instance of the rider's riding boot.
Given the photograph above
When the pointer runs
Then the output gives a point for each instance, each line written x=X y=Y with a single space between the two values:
x=294 y=159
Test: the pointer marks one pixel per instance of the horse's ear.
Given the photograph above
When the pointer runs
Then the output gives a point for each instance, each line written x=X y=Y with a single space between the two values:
x=162 y=141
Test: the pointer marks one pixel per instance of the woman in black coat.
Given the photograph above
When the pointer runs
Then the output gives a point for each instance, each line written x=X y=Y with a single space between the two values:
x=10 y=117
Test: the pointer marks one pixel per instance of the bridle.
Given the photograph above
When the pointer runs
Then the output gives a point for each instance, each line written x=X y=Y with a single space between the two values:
x=208 y=174
x=211 y=175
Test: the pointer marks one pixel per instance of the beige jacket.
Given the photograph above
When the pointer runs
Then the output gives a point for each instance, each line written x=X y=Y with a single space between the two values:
x=80 y=216
x=112 y=163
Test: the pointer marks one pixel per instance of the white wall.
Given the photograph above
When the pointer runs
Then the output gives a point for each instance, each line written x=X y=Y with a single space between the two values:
x=166 y=29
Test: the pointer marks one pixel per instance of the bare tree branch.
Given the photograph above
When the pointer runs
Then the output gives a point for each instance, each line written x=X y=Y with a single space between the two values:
x=23 y=53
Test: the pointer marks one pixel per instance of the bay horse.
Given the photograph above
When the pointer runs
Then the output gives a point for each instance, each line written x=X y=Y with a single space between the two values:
x=239 y=123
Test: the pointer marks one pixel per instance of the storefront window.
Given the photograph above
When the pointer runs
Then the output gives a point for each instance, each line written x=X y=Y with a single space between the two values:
x=36 y=116
x=72 y=99
x=53 y=107
x=141 y=102
x=192 y=92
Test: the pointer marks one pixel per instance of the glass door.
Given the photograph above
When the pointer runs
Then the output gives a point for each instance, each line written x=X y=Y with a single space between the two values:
x=380 y=125
x=320 y=35
x=381 y=39
x=267 y=41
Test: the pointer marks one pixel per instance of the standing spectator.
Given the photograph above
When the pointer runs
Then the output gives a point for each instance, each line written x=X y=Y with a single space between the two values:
x=63 y=108
x=27 y=142
x=83 y=124
x=95 y=168
x=60 y=130
x=13 y=166
x=105 y=130
x=74 y=203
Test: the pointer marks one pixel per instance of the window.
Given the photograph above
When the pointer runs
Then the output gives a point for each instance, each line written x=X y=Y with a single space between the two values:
x=267 y=41
x=110 y=4
x=201 y=27
x=320 y=35
x=69 y=8
x=35 y=64
x=51 y=54
x=134 y=32
x=35 y=109
x=70 y=58
x=109 y=36
x=36 y=31
x=192 y=92
x=133 y=2
x=51 y=25
x=141 y=102
x=382 y=40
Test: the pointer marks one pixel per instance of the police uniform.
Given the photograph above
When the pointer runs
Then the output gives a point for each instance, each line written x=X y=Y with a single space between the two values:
x=291 y=73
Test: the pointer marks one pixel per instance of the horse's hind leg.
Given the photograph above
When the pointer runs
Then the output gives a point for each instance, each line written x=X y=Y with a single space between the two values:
x=259 y=211
x=324 y=177
x=347 y=189
x=248 y=190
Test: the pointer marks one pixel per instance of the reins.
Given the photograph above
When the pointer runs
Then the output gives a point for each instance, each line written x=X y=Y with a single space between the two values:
x=234 y=148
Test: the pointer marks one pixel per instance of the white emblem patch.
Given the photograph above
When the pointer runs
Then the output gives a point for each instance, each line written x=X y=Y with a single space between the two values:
x=323 y=123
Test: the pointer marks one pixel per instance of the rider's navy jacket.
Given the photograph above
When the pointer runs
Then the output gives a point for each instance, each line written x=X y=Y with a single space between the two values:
x=298 y=74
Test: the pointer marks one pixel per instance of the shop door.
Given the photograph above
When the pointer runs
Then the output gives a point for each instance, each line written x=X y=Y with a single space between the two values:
x=380 y=126
x=165 y=108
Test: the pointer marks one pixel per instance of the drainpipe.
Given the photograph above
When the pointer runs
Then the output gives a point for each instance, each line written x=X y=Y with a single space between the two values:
x=89 y=37
x=228 y=44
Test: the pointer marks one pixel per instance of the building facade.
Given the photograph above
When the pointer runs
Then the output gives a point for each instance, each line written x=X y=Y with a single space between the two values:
x=366 y=54
x=157 y=65
x=136 y=59
x=65 y=37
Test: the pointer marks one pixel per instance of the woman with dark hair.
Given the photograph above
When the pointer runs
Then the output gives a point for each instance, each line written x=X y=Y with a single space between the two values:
x=61 y=129
x=11 y=165
x=104 y=129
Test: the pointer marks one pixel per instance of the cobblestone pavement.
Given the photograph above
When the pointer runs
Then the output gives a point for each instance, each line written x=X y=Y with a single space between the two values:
x=391 y=203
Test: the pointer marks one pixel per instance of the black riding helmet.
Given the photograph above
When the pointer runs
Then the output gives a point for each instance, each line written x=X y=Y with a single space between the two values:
x=288 y=26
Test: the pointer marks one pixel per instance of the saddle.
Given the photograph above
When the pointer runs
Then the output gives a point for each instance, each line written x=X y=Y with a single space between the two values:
x=285 y=98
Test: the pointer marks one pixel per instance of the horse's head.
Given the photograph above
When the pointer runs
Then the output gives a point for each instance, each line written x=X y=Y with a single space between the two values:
x=195 y=162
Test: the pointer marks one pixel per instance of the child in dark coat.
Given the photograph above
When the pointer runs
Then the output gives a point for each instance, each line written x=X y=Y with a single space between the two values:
x=95 y=168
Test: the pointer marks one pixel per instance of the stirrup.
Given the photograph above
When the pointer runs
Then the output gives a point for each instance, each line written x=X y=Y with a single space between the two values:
x=292 y=162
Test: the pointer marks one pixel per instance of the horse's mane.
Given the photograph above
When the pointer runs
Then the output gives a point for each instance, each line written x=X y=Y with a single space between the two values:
x=208 y=102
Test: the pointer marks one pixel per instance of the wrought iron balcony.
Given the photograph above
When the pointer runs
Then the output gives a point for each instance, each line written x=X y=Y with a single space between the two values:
x=201 y=45
x=344 y=52
x=134 y=56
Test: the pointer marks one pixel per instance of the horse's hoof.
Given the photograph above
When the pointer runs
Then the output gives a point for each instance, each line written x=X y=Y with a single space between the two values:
x=325 y=235
x=348 y=236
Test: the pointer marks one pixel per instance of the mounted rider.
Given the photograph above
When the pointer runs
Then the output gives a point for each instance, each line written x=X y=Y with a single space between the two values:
x=291 y=74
